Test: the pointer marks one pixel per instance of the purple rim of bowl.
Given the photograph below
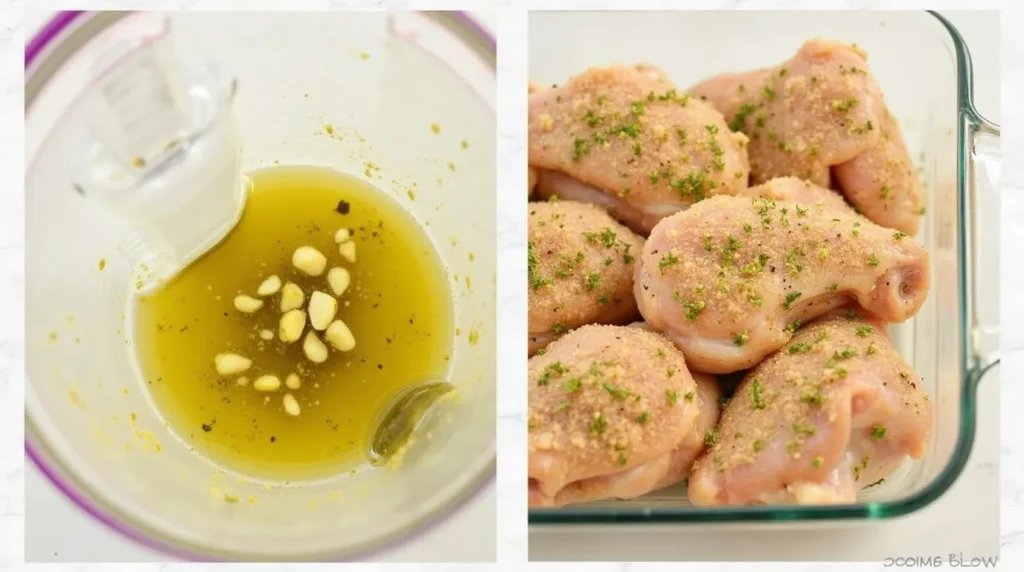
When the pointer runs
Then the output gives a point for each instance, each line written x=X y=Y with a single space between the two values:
x=39 y=42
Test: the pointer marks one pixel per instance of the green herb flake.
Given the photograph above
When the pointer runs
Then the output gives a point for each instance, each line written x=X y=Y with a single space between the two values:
x=616 y=392
x=741 y=338
x=580 y=148
x=598 y=425
x=688 y=396
x=864 y=331
x=844 y=105
x=878 y=432
x=790 y=298
x=572 y=385
x=666 y=261
x=757 y=395
x=643 y=417
x=802 y=429
x=711 y=437
x=873 y=261
x=672 y=396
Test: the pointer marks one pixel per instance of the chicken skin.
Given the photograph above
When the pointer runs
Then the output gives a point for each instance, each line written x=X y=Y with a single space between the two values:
x=614 y=413
x=834 y=411
x=796 y=190
x=883 y=183
x=729 y=279
x=624 y=139
x=581 y=267
x=822 y=109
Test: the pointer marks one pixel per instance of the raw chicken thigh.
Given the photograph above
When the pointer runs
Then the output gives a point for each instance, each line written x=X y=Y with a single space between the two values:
x=883 y=183
x=818 y=110
x=581 y=267
x=729 y=279
x=614 y=413
x=834 y=411
x=624 y=139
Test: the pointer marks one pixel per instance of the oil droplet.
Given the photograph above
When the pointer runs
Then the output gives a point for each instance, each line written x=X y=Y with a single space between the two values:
x=435 y=128
x=102 y=264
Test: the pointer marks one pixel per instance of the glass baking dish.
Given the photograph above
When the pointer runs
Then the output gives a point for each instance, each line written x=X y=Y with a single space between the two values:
x=924 y=68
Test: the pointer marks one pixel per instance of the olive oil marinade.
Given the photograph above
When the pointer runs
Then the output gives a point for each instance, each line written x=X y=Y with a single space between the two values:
x=397 y=307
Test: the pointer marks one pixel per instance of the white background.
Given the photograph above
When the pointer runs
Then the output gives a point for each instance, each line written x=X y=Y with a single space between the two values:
x=511 y=224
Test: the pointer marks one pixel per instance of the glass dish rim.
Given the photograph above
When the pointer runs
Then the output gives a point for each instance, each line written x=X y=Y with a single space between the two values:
x=468 y=31
x=973 y=369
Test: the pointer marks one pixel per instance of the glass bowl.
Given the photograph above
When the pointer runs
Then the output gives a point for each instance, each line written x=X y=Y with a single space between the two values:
x=924 y=69
x=344 y=90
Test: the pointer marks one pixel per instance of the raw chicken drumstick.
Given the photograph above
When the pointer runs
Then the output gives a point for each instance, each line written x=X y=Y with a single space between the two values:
x=730 y=278
x=624 y=139
x=818 y=110
x=831 y=413
x=580 y=269
x=614 y=413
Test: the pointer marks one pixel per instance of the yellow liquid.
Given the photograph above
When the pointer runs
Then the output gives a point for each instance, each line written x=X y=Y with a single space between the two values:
x=398 y=307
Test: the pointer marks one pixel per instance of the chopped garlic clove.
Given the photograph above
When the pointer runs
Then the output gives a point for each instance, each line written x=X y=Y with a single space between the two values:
x=230 y=364
x=342 y=235
x=338 y=279
x=266 y=335
x=247 y=304
x=291 y=406
x=269 y=286
x=314 y=349
x=348 y=251
x=322 y=308
x=291 y=326
x=291 y=297
x=340 y=336
x=293 y=381
x=309 y=260
x=267 y=383
x=243 y=381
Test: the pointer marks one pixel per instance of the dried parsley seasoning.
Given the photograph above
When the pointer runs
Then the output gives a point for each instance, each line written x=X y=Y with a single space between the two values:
x=741 y=338
x=711 y=437
x=555 y=369
x=801 y=429
x=643 y=417
x=599 y=425
x=688 y=396
x=672 y=397
x=864 y=331
x=790 y=298
x=878 y=432
x=572 y=385
x=844 y=105
x=616 y=392
x=740 y=119
x=757 y=395
x=667 y=261
x=536 y=280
